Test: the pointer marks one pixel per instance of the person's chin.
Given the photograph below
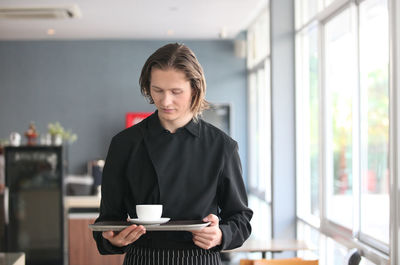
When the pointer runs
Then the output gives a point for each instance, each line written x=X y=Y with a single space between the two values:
x=168 y=115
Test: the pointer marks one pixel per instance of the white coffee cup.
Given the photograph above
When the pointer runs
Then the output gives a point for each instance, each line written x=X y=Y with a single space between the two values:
x=149 y=212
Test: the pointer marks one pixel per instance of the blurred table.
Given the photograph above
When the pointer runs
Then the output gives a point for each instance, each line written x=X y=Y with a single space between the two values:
x=271 y=246
x=12 y=258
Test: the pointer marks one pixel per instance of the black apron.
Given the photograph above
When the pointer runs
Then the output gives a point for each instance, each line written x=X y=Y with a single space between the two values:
x=152 y=256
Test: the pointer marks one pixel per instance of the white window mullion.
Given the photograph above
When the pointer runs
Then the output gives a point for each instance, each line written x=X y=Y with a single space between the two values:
x=322 y=126
x=394 y=96
x=356 y=127
x=323 y=131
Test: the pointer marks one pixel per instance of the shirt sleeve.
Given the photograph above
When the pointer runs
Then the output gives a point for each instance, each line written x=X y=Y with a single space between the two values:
x=232 y=199
x=112 y=206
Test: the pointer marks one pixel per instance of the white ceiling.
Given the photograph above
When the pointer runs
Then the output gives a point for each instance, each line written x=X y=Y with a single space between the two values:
x=135 y=19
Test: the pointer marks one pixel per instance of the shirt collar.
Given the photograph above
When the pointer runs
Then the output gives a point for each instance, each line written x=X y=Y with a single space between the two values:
x=193 y=127
x=156 y=128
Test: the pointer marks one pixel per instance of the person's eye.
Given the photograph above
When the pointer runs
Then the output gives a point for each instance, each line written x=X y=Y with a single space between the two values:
x=156 y=90
x=176 y=91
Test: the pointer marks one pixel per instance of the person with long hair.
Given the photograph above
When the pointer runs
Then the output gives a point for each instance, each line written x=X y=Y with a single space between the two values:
x=176 y=159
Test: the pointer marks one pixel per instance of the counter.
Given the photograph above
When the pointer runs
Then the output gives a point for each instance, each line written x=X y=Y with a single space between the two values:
x=82 y=202
x=82 y=207
x=82 y=211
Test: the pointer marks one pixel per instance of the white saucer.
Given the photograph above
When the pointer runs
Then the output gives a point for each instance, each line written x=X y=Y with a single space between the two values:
x=138 y=221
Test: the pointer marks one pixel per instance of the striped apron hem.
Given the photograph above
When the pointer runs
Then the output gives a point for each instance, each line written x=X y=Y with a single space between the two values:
x=150 y=256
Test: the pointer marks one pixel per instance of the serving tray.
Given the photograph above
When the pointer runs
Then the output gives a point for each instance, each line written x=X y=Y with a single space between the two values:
x=178 y=225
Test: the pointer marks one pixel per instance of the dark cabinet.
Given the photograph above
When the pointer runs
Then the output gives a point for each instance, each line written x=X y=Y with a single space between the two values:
x=33 y=203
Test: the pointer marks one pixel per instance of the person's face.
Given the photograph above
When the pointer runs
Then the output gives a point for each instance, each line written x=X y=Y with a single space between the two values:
x=172 y=95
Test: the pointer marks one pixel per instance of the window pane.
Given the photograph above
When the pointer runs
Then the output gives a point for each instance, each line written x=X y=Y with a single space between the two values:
x=312 y=237
x=374 y=81
x=262 y=110
x=306 y=10
x=310 y=9
x=259 y=107
x=260 y=132
x=335 y=252
x=261 y=221
x=308 y=122
x=258 y=40
x=252 y=103
x=264 y=116
x=340 y=84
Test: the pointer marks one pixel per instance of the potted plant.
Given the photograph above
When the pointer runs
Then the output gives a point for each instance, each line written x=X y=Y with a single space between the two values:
x=59 y=134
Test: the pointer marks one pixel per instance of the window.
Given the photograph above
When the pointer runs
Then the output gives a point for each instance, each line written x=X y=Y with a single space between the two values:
x=259 y=124
x=340 y=86
x=342 y=119
x=374 y=84
x=308 y=157
x=259 y=106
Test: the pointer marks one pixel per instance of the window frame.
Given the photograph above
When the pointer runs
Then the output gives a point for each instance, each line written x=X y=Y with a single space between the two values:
x=394 y=105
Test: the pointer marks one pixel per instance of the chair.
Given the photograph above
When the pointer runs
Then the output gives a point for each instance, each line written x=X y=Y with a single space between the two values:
x=246 y=262
x=291 y=261
x=353 y=257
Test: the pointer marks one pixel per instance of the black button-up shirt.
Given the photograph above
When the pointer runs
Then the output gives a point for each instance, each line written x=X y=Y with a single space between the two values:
x=192 y=173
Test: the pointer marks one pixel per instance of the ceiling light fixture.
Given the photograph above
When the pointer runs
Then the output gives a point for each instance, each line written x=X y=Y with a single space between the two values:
x=170 y=32
x=62 y=12
x=51 y=32
x=223 y=33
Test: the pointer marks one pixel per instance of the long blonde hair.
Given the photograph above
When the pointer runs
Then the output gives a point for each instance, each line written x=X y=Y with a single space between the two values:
x=178 y=57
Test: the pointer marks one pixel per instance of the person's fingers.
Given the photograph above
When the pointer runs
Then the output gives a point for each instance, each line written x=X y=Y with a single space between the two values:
x=204 y=240
x=202 y=245
x=129 y=238
x=133 y=231
x=205 y=230
x=126 y=231
x=211 y=218
x=126 y=236
x=135 y=234
x=207 y=235
x=108 y=234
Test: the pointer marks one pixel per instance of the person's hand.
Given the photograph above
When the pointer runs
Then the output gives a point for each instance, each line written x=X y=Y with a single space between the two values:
x=209 y=236
x=126 y=236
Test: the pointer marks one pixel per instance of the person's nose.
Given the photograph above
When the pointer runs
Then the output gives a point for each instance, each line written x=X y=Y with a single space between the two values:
x=166 y=99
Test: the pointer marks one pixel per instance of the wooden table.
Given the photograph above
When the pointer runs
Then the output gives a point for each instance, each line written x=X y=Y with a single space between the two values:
x=272 y=246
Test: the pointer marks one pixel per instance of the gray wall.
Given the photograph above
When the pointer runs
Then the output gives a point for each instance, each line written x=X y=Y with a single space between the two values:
x=88 y=86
